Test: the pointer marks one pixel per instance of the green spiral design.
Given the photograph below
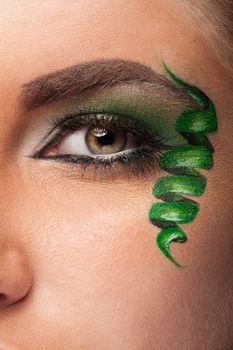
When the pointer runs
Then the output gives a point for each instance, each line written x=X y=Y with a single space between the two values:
x=181 y=162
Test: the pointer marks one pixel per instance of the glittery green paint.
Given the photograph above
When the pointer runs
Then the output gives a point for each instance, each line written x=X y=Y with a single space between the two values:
x=156 y=107
x=181 y=162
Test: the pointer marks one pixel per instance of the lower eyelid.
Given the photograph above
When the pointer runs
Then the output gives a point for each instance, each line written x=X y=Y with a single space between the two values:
x=126 y=168
x=137 y=163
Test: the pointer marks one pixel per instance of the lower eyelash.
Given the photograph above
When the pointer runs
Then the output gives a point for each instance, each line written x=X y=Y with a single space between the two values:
x=137 y=164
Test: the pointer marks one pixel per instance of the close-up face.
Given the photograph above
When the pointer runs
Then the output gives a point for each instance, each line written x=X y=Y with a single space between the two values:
x=115 y=178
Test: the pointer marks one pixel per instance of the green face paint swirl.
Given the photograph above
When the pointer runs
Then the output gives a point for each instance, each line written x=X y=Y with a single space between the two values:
x=181 y=162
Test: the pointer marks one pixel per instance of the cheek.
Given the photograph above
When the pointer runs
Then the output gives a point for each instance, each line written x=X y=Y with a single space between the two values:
x=92 y=252
x=97 y=234
x=97 y=267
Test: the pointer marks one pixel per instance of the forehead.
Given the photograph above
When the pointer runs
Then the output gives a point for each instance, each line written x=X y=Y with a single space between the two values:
x=45 y=36
x=39 y=37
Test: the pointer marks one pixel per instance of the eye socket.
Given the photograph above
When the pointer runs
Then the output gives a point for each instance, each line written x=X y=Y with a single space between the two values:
x=109 y=145
x=95 y=142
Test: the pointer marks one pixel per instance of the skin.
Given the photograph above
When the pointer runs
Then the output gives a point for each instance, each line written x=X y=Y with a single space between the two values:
x=79 y=267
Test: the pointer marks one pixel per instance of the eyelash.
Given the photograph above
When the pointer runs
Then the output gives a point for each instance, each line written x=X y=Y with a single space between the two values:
x=136 y=163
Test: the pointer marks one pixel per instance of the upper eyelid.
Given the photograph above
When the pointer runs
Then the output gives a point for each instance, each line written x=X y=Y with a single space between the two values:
x=134 y=100
x=57 y=127
x=119 y=118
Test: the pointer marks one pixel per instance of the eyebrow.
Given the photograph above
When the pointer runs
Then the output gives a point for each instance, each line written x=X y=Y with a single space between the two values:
x=76 y=79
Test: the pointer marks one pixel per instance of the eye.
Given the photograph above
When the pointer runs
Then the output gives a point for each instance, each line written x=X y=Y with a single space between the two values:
x=97 y=141
x=94 y=142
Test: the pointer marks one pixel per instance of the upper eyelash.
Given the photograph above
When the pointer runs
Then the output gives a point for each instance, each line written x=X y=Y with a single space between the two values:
x=73 y=122
x=139 y=162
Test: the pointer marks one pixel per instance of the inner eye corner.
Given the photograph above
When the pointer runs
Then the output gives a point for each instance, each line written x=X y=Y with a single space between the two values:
x=135 y=160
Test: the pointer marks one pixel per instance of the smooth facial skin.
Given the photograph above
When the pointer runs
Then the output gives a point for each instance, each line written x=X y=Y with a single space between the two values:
x=79 y=267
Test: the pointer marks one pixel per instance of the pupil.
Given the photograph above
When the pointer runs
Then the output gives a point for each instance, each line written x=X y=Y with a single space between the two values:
x=106 y=139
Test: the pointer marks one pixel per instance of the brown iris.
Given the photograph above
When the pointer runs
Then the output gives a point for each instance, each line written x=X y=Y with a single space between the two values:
x=105 y=141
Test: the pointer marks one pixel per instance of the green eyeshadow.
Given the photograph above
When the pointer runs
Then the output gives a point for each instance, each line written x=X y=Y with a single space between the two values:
x=141 y=102
x=181 y=161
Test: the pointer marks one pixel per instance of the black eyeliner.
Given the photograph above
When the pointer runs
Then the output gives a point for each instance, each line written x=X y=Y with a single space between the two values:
x=137 y=162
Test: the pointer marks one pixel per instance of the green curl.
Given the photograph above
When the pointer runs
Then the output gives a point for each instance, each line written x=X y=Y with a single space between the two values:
x=172 y=234
x=182 y=162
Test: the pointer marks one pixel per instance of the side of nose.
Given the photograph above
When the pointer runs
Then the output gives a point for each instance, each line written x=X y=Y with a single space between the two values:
x=15 y=276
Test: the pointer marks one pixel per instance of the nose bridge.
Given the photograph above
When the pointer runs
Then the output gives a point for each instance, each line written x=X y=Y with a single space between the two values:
x=8 y=190
x=11 y=128
x=10 y=177
x=15 y=271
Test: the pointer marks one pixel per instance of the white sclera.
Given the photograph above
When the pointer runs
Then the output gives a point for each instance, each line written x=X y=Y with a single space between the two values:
x=75 y=143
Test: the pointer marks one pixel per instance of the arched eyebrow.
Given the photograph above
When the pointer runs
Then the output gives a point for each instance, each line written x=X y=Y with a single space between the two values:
x=75 y=79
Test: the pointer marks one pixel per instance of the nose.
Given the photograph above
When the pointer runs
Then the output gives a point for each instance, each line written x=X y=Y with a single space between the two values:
x=15 y=276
